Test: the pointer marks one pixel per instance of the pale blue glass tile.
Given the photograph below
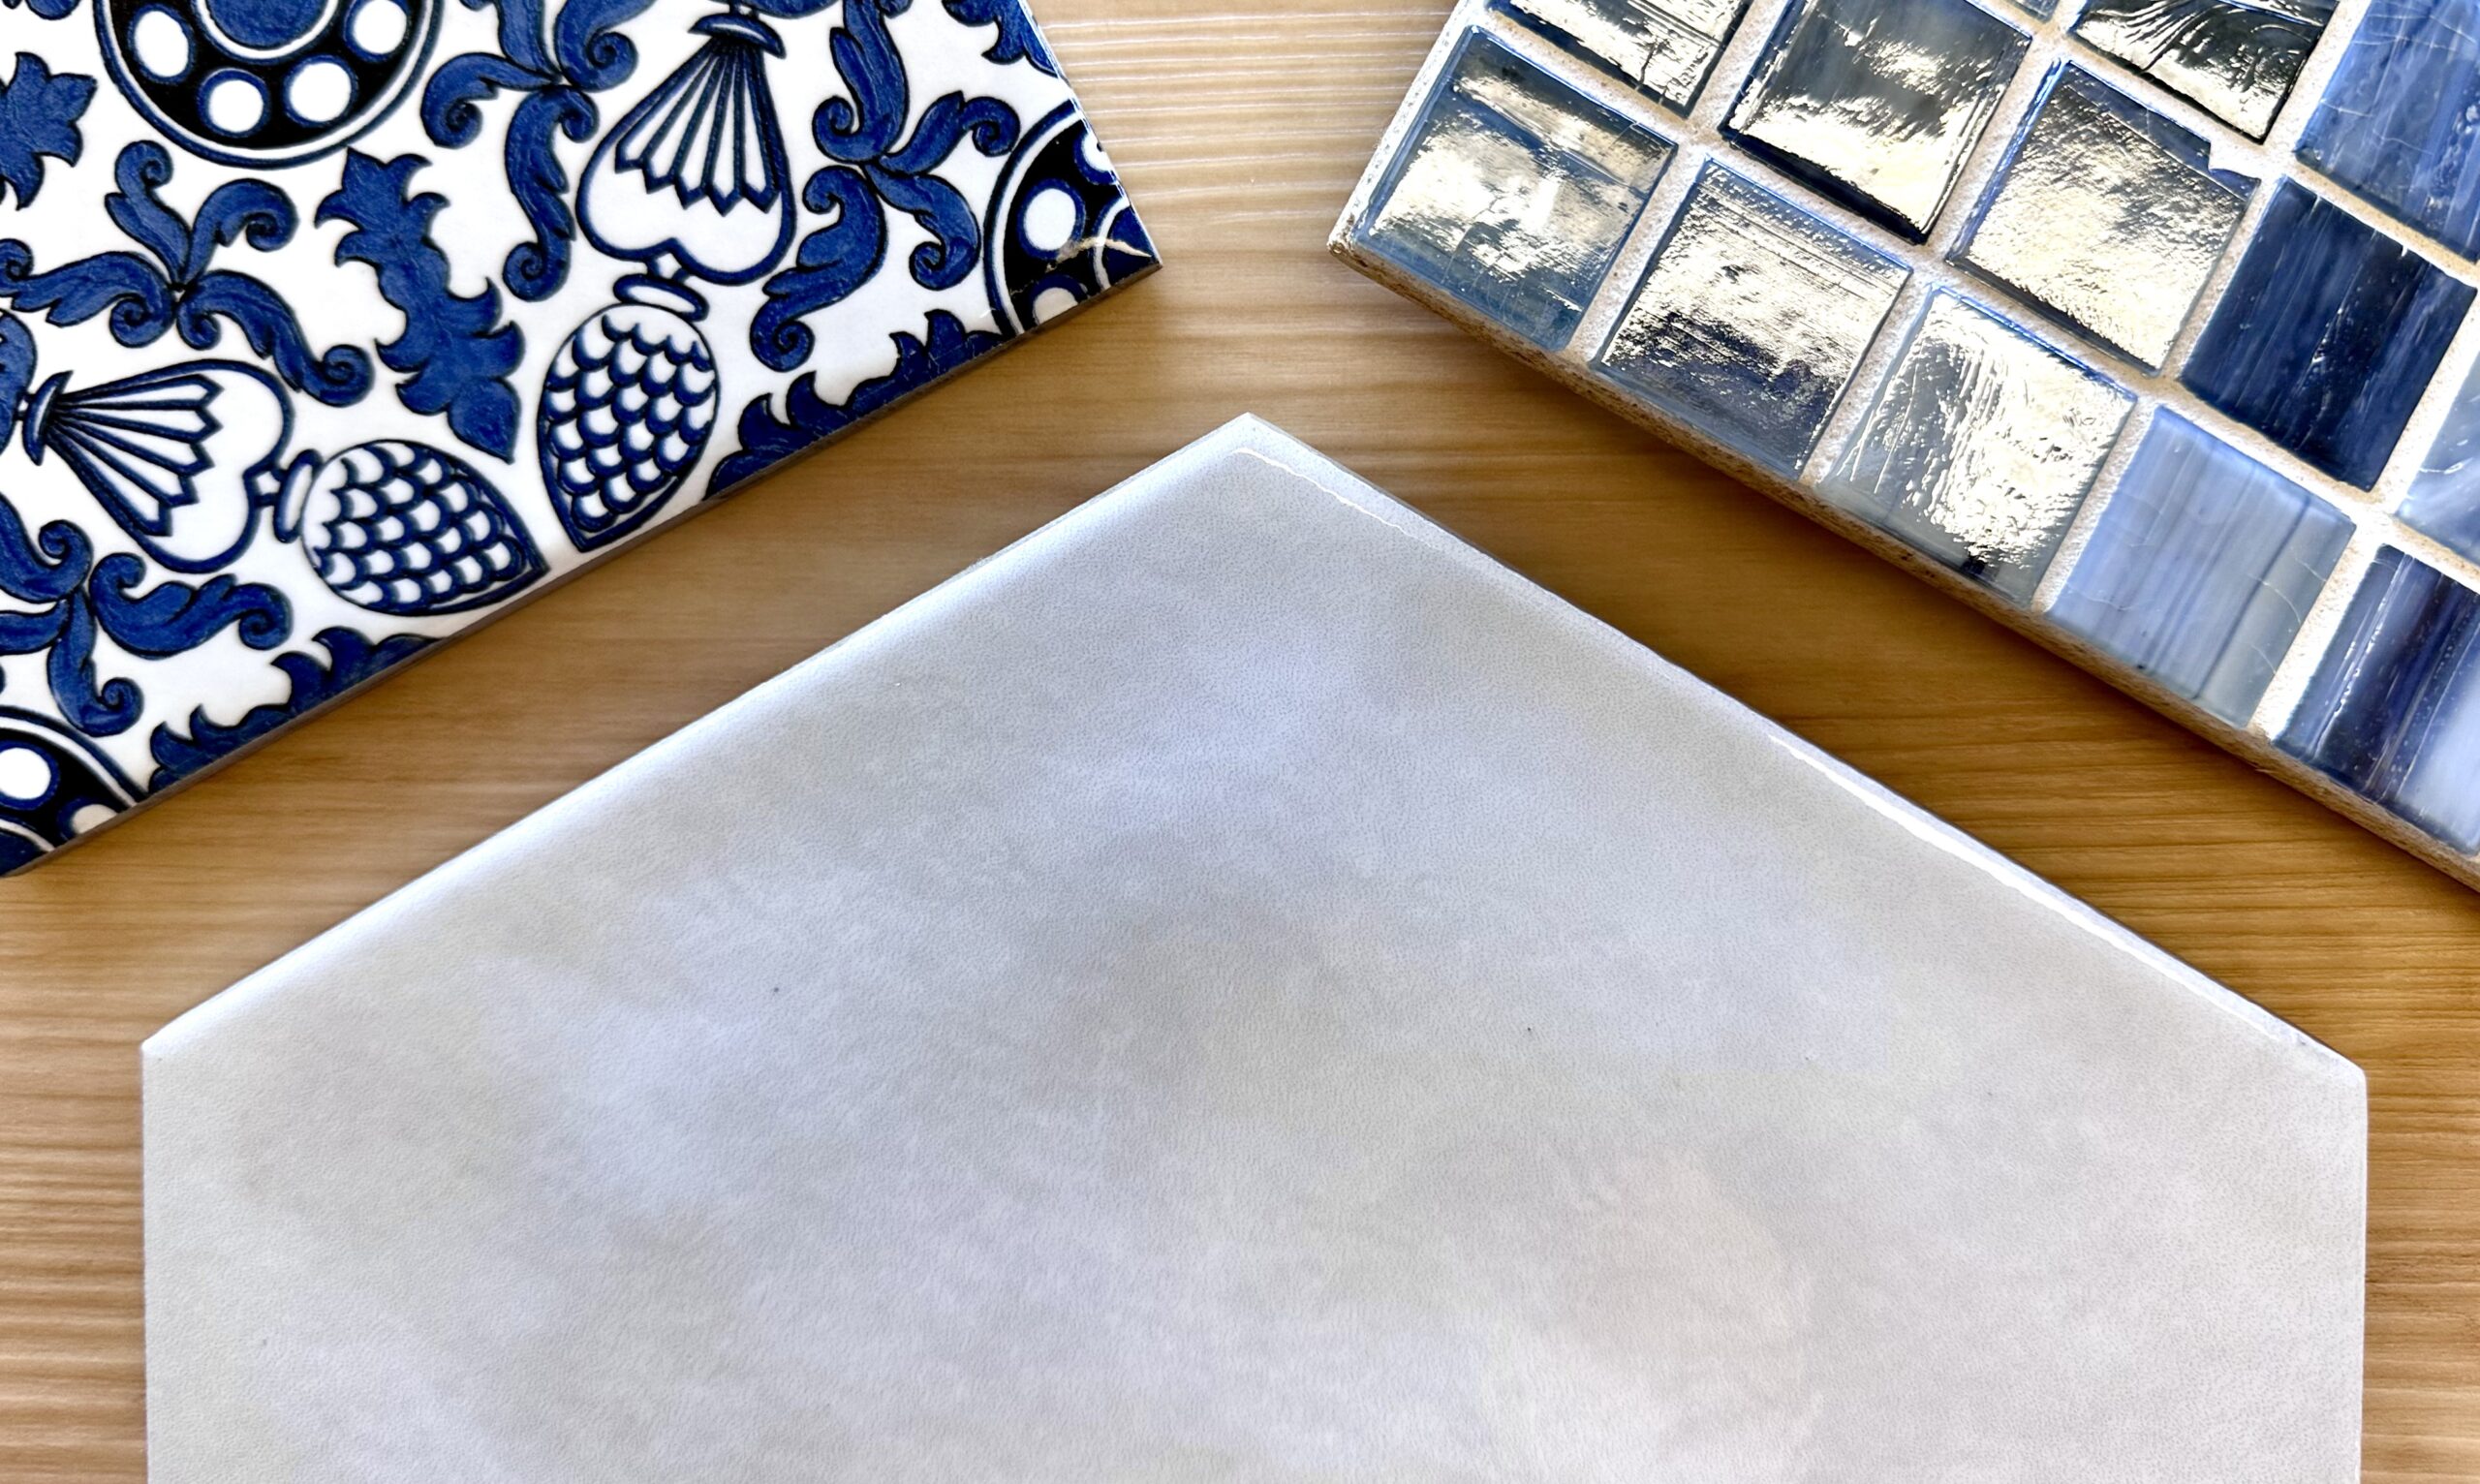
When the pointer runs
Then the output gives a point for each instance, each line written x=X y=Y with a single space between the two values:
x=1876 y=102
x=1665 y=47
x=1513 y=191
x=1980 y=446
x=1750 y=318
x=2326 y=337
x=2201 y=567
x=2444 y=500
x=2236 y=59
x=2400 y=124
x=2106 y=216
x=2393 y=709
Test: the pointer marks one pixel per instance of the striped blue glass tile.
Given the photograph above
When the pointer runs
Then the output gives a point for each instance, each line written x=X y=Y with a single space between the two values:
x=2400 y=124
x=2445 y=499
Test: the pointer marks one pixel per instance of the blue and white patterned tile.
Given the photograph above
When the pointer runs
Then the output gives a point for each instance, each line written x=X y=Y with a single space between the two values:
x=1665 y=47
x=2326 y=337
x=1514 y=191
x=332 y=330
x=2106 y=216
x=2393 y=711
x=1980 y=446
x=2236 y=59
x=2400 y=124
x=1750 y=319
x=2201 y=569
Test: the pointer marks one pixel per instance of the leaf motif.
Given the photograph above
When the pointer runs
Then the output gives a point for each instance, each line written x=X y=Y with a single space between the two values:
x=172 y=618
x=1017 y=40
x=340 y=378
x=131 y=287
x=98 y=710
x=352 y=658
x=452 y=113
x=42 y=569
x=235 y=209
x=833 y=262
x=766 y=440
x=39 y=116
x=539 y=182
x=587 y=44
x=140 y=213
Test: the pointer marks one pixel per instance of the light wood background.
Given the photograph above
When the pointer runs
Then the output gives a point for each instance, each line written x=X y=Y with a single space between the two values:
x=1240 y=135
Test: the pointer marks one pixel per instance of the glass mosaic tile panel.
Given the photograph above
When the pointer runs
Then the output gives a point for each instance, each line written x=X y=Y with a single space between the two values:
x=1664 y=48
x=1980 y=445
x=329 y=332
x=2107 y=216
x=1515 y=191
x=1877 y=101
x=2138 y=328
x=1752 y=318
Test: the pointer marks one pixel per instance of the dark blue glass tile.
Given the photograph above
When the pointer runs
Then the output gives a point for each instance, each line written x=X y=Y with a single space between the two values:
x=2236 y=59
x=2106 y=216
x=2326 y=337
x=1750 y=318
x=1665 y=47
x=1980 y=446
x=2201 y=567
x=1876 y=102
x=1513 y=192
x=2393 y=709
x=2400 y=124
x=2444 y=500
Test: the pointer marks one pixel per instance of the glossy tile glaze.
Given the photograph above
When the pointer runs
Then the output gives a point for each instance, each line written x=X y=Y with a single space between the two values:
x=1668 y=49
x=2155 y=379
x=2237 y=59
x=1515 y=191
x=1980 y=446
x=1239 y=988
x=2326 y=337
x=330 y=330
x=2394 y=712
x=1750 y=319
x=2107 y=216
x=1877 y=101
x=2202 y=568
x=2400 y=124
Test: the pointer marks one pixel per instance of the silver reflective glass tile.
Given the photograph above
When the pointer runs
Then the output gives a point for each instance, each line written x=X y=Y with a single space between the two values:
x=2400 y=124
x=2236 y=59
x=2201 y=569
x=1750 y=318
x=1876 y=102
x=2107 y=216
x=2444 y=501
x=2393 y=709
x=1666 y=48
x=1514 y=191
x=1980 y=446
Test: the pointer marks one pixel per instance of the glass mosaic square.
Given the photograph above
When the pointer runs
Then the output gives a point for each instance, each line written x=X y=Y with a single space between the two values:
x=1750 y=318
x=1666 y=48
x=2444 y=498
x=2394 y=711
x=2107 y=216
x=2400 y=124
x=2201 y=569
x=2236 y=59
x=1514 y=191
x=1980 y=446
x=1876 y=102
x=2326 y=337
x=332 y=330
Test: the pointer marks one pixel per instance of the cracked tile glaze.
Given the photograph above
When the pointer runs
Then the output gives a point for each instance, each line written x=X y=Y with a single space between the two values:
x=2202 y=568
x=2236 y=59
x=1876 y=102
x=1750 y=319
x=1666 y=49
x=1980 y=446
x=2107 y=216
x=1514 y=192
x=2400 y=124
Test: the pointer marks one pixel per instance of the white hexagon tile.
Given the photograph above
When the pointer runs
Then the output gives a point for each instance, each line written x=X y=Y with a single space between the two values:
x=2143 y=327
x=1241 y=986
x=328 y=328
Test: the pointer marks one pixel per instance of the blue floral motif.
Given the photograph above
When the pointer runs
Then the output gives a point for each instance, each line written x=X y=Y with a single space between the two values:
x=558 y=72
x=877 y=167
x=177 y=287
x=458 y=349
x=76 y=598
x=352 y=658
x=766 y=440
x=38 y=113
x=1018 y=41
x=48 y=10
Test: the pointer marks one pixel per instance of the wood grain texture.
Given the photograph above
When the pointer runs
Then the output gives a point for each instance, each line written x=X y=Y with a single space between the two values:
x=1240 y=135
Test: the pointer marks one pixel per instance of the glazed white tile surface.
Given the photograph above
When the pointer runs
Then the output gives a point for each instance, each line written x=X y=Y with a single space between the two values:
x=1239 y=986
x=907 y=204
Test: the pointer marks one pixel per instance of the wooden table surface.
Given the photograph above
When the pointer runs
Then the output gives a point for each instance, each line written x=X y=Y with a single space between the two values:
x=1240 y=135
